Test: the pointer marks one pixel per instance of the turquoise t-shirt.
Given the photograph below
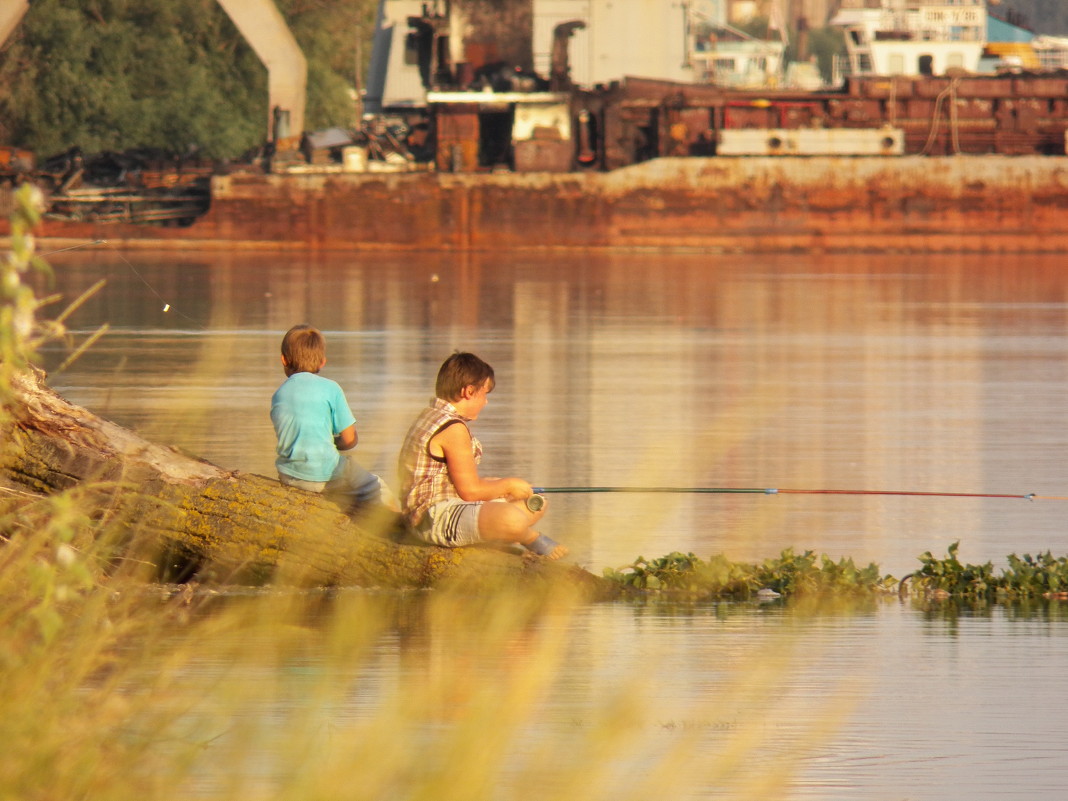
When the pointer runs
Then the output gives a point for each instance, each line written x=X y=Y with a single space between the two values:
x=308 y=411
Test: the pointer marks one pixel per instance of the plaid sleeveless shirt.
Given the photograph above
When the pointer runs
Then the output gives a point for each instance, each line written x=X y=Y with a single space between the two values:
x=424 y=478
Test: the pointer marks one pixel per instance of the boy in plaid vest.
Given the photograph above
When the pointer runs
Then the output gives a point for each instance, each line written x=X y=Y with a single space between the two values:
x=444 y=499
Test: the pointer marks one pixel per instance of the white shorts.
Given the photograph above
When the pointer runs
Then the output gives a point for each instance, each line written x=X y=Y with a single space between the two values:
x=451 y=524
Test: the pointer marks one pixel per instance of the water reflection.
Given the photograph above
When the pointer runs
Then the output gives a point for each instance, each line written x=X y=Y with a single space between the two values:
x=872 y=701
x=882 y=371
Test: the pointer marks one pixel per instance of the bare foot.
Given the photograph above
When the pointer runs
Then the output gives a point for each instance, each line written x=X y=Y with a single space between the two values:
x=558 y=552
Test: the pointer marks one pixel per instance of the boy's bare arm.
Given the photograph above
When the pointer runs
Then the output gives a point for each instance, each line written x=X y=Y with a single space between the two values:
x=347 y=439
x=455 y=444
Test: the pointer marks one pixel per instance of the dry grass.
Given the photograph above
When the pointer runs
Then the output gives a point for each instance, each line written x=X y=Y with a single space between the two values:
x=114 y=690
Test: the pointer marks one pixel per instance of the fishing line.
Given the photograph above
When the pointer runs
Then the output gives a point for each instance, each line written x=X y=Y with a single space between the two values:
x=775 y=491
x=74 y=306
x=76 y=247
x=166 y=306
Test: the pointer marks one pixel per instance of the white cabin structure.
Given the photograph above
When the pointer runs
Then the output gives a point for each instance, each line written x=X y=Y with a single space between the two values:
x=683 y=41
x=657 y=39
x=911 y=37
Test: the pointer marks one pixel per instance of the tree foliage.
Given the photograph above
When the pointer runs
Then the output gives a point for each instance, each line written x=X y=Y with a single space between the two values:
x=824 y=44
x=331 y=33
x=169 y=74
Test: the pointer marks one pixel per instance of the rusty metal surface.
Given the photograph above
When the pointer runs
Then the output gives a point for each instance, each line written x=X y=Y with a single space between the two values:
x=1010 y=115
x=544 y=155
x=971 y=203
x=457 y=138
x=496 y=31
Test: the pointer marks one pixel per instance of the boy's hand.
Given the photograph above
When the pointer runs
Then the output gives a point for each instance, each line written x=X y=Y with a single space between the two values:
x=516 y=489
x=455 y=444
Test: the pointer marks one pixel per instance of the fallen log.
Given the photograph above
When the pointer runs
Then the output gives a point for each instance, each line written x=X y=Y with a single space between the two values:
x=212 y=525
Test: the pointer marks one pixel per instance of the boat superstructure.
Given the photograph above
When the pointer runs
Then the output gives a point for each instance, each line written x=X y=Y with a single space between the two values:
x=912 y=37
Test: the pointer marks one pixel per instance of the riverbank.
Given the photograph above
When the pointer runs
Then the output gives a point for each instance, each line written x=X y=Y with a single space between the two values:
x=956 y=203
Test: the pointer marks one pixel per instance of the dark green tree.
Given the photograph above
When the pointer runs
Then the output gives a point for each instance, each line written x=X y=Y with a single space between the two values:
x=825 y=44
x=169 y=74
x=332 y=33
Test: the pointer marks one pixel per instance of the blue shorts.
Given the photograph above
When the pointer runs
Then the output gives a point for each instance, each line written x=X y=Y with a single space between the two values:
x=451 y=524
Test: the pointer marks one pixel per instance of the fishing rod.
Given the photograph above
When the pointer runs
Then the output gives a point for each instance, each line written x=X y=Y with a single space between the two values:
x=776 y=491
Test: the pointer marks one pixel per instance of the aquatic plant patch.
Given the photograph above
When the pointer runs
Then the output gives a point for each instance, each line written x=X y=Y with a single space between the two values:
x=789 y=574
x=797 y=575
x=1025 y=576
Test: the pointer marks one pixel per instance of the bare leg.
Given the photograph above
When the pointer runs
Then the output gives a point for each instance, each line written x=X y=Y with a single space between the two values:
x=511 y=521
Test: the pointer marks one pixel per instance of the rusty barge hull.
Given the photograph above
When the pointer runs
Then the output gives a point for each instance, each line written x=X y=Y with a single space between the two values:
x=977 y=203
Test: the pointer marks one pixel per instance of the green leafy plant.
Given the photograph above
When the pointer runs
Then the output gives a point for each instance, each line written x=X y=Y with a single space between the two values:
x=804 y=574
x=1024 y=577
x=20 y=332
x=685 y=572
x=791 y=575
x=1029 y=575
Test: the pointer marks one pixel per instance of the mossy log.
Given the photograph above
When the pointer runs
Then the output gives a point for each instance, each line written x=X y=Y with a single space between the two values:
x=210 y=524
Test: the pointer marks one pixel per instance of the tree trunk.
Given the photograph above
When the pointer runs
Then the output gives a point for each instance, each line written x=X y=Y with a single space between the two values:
x=210 y=524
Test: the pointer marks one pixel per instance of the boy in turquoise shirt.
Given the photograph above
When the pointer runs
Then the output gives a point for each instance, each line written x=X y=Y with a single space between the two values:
x=315 y=427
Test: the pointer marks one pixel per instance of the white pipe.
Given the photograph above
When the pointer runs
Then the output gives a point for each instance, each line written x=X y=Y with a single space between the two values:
x=11 y=14
x=266 y=31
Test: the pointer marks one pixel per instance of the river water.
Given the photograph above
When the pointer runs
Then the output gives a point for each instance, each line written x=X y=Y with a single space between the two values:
x=904 y=372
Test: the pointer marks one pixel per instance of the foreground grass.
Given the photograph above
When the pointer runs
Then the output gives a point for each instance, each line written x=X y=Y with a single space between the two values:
x=114 y=689
x=118 y=689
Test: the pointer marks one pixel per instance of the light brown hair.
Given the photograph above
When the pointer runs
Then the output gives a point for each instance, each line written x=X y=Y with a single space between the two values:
x=304 y=349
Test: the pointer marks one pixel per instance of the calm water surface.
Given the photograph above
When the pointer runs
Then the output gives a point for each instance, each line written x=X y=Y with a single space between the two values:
x=907 y=372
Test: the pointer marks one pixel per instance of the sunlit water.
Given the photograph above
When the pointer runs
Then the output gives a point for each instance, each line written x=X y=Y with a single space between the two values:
x=890 y=372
